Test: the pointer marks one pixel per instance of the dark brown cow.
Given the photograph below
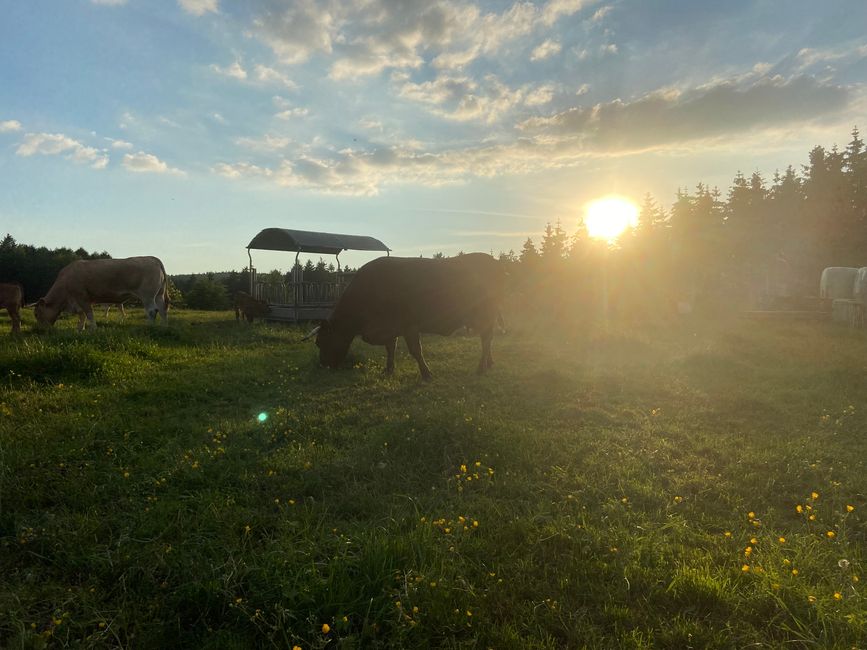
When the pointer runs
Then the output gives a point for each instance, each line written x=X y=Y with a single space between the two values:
x=84 y=282
x=12 y=298
x=249 y=306
x=393 y=296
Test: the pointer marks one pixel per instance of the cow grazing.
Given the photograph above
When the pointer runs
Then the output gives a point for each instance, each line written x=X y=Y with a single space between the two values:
x=249 y=306
x=392 y=296
x=84 y=282
x=12 y=299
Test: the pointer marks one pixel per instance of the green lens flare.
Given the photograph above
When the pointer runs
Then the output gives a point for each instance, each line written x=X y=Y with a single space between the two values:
x=262 y=416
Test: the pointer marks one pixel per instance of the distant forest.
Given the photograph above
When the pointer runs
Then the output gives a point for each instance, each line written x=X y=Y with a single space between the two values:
x=763 y=240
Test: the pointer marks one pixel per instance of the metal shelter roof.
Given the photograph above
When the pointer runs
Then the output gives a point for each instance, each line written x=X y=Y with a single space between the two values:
x=306 y=241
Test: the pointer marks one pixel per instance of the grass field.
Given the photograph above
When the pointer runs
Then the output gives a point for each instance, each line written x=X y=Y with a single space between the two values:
x=696 y=485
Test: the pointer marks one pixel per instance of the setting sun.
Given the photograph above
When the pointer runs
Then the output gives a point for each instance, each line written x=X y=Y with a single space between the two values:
x=608 y=217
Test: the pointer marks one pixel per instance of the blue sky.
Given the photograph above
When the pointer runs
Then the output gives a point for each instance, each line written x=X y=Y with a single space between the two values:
x=180 y=128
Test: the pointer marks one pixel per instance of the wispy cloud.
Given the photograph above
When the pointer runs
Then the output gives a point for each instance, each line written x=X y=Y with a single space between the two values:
x=148 y=163
x=545 y=50
x=235 y=70
x=10 y=126
x=199 y=7
x=671 y=115
x=57 y=144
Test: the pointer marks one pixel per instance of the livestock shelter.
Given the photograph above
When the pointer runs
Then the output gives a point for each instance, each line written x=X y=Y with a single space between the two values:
x=299 y=299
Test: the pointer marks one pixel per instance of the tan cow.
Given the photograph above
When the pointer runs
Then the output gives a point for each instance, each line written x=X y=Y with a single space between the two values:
x=249 y=306
x=84 y=282
x=12 y=298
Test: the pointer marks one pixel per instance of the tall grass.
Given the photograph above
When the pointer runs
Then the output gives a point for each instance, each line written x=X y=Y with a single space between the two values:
x=596 y=489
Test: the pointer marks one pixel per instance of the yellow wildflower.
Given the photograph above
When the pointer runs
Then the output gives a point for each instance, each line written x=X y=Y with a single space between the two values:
x=782 y=540
x=838 y=595
x=799 y=508
x=831 y=534
x=751 y=515
x=745 y=568
x=850 y=508
x=794 y=572
x=326 y=628
x=812 y=599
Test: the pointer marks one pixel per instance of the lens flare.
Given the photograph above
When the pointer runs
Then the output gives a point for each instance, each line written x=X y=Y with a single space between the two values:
x=262 y=416
x=608 y=217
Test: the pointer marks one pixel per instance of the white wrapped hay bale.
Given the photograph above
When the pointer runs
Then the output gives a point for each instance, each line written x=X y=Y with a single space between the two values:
x=838 y=282
x=860 y=289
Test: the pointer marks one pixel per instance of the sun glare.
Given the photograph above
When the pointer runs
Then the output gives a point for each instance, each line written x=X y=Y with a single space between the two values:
x=608 y=217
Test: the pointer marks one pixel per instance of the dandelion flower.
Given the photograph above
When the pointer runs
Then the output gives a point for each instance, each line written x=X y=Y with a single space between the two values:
x=782 y=540
x=799 y=508
x=728 y=533
x=814 y=495
x=754 y=541
x=786 y=561
x=812 y=517
x=296 y=647
x=812 y=599
x=838 y=595
x=745 y=568
x=678 y=499
x=794 y=572
x=850 y=508
x=751 y=515
x=831 y=534
x=326 y=628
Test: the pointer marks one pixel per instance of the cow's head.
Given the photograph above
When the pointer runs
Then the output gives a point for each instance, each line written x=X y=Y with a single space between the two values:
x=333 y=345
x=45 y=313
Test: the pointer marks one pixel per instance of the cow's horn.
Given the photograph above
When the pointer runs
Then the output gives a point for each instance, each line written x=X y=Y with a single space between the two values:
x=312 y=333
x=30 y=306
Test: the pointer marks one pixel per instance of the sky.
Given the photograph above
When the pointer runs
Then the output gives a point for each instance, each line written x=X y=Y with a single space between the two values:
x=181 y=128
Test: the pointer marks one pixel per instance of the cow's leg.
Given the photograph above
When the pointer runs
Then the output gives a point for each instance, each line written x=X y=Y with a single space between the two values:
x=389 y=356
x=413 y=342
x=16 y=319
x=160 y=304
x=107 y=309
x=86 y=313
x=487 y=360
x=122 y=312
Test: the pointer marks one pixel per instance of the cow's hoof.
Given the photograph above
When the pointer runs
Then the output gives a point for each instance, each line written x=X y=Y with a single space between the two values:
x=427 y=376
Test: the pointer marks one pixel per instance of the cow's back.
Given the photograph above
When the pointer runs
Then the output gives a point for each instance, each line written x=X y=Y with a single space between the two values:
x=112 y=280
x=429 y=295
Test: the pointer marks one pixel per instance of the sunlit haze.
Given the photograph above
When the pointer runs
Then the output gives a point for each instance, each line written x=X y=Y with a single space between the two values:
x=181 y=128
x=608 y=217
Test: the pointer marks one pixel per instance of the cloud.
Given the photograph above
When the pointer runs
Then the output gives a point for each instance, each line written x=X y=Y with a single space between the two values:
x=296 y=32
x=267 y=142
x=672 y=116
x=240 y=170
x=119 y=144
x=291 y=113
x=10 y=126
x=57 y=144
x=462 y=99
x=199 y=7
x=546 y=49
x=268 y=75
x=370 y=36
x=218 y=118
x=142 y=162
x=600 y=13
x=235 y=71
x=539 y=96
